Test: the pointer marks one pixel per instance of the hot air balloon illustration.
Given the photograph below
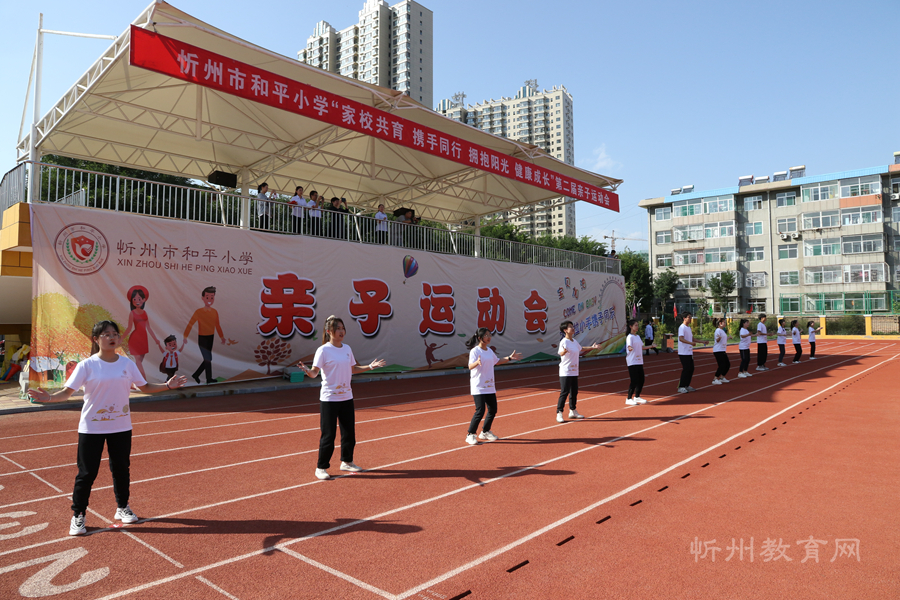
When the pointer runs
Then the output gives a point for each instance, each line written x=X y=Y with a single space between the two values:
x=410 y=267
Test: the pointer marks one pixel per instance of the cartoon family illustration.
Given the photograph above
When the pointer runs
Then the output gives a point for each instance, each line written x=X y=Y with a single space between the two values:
x=206 y=318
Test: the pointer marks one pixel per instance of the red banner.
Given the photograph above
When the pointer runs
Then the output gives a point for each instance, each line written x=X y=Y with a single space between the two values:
x=189 y=63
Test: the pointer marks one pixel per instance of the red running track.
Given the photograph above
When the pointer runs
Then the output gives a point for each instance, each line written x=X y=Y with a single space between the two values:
x=633 y=502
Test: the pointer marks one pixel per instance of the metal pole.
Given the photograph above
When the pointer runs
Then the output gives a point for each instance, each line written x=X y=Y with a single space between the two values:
x=33 y=152
x=245 y=198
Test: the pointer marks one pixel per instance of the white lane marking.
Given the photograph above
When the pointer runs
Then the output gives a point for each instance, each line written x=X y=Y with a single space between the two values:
x=11 y=460
x=217 y=588
x=42 y=480
x=339 y=574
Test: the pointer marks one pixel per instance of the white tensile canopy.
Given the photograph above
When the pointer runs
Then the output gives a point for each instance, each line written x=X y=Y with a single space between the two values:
x=129 y=116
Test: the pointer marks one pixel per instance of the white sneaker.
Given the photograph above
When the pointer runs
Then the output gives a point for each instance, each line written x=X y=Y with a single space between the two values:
x=322 y=474
x=574 y=414
x=559 y=418
x=741 y=375
x=350 y=466
x=487 y=435
x=631 y=401
x=690 y=389
x=471 y=439
x=760 y=368
x=716 y=382
x=125 y=515
x=77 y=526
x=812 y=358
x=782 y=365
x=723 y=380
x=640 y=400
x=682 y=390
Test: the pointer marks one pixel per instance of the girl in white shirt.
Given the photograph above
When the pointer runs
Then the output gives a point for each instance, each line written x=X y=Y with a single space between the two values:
x=720 y=352
x=381 y=227
x=262 y=205
x=812 y=339
x=107 y=378
x=481 y=378
x=780 y=340
x=795 y=338
x=744 y=348
x=686 y=345
x=298 y=206
x=570 y=352
x=334 y=359
x=634 y=359
x=762 y=343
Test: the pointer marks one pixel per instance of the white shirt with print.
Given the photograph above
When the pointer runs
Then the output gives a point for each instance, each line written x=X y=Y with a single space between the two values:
x=481 y=378
x=568 y=364
x=782 y=336
x=795 y=335
x=684 y=331
x=744 y=343
x=761 y=333
x=634 y=356
x=107 y=387
x=720 y=341
x=336 y=365
x=812 y=334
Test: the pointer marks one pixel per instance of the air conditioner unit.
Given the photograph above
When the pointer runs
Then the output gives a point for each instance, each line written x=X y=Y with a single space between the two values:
x=895 y=196
x=785 y=236
x=795 y=236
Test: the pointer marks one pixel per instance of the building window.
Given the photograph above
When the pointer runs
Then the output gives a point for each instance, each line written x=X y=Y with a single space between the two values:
x=737 y=277
x=786 y=251
x=895 y=214
x=860 y=186
x=718 y=204
x=822 y=275
x=822 y=220
x=663 y=213
x=756 y=306
x=755 y=280
x=664 y=237
x=861 y=215
x=787 y=225
x=719 y=230
x=691 y=282
x=719 y=255
x=819 y=191
x=753 y=203
x=786 y=199
x=869 y=273
x=789 y=278
x=756 y=253
x=790 y=304
x=688 y=232
x=689 y=257
x=822 y=247
x=663 y=260
x=687 y=208
x=858 y=244
x=754 y=228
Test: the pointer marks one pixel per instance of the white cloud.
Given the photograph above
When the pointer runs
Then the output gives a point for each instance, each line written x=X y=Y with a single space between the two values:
x=600 y=162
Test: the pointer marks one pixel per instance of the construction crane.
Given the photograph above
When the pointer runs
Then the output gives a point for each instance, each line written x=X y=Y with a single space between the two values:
x=613 y=237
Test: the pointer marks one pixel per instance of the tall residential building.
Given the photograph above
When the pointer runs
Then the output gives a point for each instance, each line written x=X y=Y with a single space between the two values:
x=542 y=118
x=799 y=244
x=391 y=46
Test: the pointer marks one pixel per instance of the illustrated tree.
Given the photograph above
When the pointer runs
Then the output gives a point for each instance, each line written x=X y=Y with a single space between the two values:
x=721 y=287
x=272 y=352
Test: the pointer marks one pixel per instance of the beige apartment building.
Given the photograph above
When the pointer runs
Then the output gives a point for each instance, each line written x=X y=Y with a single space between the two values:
x=797 y=243
x=541 y=118
x=390 y=46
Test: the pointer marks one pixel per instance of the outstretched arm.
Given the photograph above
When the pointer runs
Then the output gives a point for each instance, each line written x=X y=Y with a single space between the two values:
x=42 y=396
x=375 y=364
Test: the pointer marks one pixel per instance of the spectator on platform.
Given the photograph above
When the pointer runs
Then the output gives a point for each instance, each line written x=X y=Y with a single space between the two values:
x=262 y=206
x=298 y=210
x=404 y=235
x=339 y=217
x=314 y=214
x=381 y=227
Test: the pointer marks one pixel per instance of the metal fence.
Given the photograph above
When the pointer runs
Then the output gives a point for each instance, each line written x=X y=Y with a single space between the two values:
x=842 y=303
x=78 y=187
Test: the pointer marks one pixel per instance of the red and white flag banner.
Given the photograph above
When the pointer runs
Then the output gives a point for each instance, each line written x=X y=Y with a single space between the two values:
x=183 y=61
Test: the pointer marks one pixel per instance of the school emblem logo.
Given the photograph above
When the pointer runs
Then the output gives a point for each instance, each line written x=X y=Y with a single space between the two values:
x=81 y=248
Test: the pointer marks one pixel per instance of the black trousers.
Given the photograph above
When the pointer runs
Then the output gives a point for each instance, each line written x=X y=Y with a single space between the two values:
x=330 y=415
x=762 y=353
x=636 y=372
x=380 y=237
x=568 y=386
x=649 y=342
x=723 y=364
x=296 y=224
x=205 y=342
x=812 y=349
x=315 y=226
x=781 y=353
x=264 y=222
x=745 y=360
x=687 y=369
x=798 y=352
x=482 y=400
x=90 y=452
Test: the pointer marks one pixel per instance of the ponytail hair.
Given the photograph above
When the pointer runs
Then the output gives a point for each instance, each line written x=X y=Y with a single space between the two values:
x=97 y=330
x=331 y=324
x=475 y=339
x=809 y=323
x=781 y=322
x=793 y=323
x=629 y=323
x=745 y=321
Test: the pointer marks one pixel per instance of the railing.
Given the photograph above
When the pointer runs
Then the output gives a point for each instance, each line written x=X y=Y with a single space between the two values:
x=842 y=303
x=78 y=187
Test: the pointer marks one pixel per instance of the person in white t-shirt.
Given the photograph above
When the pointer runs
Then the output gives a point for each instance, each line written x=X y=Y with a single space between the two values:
x=335 y=360
x=762 y=343
x=744 y=339
x=381 y=226
x=812 y=339
x=482 y=361
x=780 y=339
x=795 y=339
x=686 y=345
x=262 y=206
x=107 y=378
x=298 y=208
x=634 y=359
x=648 y=337
x=570 y=352
x=314 y=214
x=720 y=352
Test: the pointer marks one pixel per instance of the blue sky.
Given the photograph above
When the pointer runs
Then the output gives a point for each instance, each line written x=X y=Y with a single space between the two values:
x=666 y=93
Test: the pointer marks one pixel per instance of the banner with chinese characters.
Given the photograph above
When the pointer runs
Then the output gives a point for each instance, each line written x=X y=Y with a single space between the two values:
x=221 y=304
x=162 y=54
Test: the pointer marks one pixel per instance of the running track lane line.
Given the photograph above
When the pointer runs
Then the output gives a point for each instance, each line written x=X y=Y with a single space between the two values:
x=498 y=552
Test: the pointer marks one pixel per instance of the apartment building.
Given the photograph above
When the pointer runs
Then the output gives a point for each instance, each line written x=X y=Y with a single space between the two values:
x=797 y=243
x=390 y=46
x=544 y=118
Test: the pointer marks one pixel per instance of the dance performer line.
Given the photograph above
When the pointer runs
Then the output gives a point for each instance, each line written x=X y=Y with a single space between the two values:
x=686 y=345
x=812 y=339
x=780 y=340
x=720 y=352
x=634 y=358
x=570 y=352
x=795 y=338
x=744 y=347
x=482 y=361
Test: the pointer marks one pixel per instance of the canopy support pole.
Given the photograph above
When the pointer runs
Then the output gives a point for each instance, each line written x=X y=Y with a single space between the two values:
x=33 y=153
x=245 y=198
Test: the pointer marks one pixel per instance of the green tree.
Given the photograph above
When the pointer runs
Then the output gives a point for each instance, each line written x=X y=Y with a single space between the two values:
x=504 y=231
x=702 y=303
x=664 y=285
x=638 y=282
x=721 y=287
